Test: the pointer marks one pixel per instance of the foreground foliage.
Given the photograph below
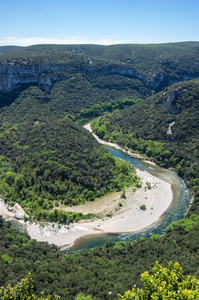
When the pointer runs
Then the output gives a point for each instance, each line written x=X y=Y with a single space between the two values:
x=22 y=291
x=166 y=283
x=114 y=267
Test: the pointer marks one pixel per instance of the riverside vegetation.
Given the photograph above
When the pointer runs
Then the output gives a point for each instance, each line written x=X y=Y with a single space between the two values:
x=47 y=164
x=48 y=160
x=178 y=150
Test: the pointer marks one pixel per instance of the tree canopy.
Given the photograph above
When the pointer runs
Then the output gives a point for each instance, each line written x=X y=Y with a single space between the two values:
x=166 y=283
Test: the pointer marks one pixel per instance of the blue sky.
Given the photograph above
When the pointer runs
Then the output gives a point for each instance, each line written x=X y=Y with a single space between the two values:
x=28 y=22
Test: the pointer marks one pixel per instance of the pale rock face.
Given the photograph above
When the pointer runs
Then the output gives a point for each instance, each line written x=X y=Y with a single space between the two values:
x=156 y=81
x=170 y=100
x=13 y=76
x=162 y=80
x=120 y=71
x=170 y=103
x=18 y=211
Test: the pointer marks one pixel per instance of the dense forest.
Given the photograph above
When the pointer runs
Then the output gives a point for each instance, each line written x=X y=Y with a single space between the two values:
x=139 y=69
x=177 y=148
x=47 y=164
x=72 y=98
x=114 y=267
x=148 y=59
x=47 y=160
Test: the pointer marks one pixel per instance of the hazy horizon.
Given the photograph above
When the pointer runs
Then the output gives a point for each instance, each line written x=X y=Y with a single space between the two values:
x=26 y=23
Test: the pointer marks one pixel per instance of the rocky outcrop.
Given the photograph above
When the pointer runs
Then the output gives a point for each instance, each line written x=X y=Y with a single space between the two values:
x=13 y=76
x=170 y=104
x=162 y=80
x=156 y=81
x=18 y=211
x=169 y=131
x=16 y=75
x=170 y=100
x=118 y=70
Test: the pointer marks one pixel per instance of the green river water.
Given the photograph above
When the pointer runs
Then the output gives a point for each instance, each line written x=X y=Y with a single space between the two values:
x=181 y=201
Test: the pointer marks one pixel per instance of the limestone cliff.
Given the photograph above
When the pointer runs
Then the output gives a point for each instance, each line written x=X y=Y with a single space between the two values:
x=169 y=100
x=13 y=76
x=118 y=70
x=161 y=80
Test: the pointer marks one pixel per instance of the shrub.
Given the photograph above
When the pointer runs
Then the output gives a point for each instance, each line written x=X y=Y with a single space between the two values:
x=143 y=207
x=166 y=283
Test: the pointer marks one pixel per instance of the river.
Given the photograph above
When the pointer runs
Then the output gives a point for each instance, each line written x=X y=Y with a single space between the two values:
x=181 y=201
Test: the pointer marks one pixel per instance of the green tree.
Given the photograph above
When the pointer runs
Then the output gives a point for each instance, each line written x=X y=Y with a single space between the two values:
x=19 y=182
x=166 y=283
x=82 y=297
x=22 y=291
x=5 y=258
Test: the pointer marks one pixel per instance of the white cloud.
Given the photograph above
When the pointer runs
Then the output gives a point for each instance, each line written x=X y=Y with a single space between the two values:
x=24 y=41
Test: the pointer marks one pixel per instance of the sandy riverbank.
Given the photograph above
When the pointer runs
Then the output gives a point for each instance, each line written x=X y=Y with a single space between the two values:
x=126 y=214
x=126 y=218
x=115 y=215
x=136 y=155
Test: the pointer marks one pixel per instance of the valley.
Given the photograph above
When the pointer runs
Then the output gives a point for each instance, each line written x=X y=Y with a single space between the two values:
x=145 y=98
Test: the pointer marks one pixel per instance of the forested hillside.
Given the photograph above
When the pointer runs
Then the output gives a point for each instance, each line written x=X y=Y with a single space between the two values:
x=175 y=108
x=148 y=59
x=139 y=70
x=79 y=97
x=115 y=267
x=48 y=160
x=8 y=49
x=45 y=164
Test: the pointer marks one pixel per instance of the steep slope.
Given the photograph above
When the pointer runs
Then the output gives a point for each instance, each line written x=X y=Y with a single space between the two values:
x=78 y=97
x=164 y=127
x=152 y=66
x=71 y=76
x=150 y=60
x=45 y=71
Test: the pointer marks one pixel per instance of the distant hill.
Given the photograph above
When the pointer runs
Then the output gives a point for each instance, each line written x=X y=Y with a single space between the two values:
x=9 y=49
x=148 y=68
x=148 y=58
